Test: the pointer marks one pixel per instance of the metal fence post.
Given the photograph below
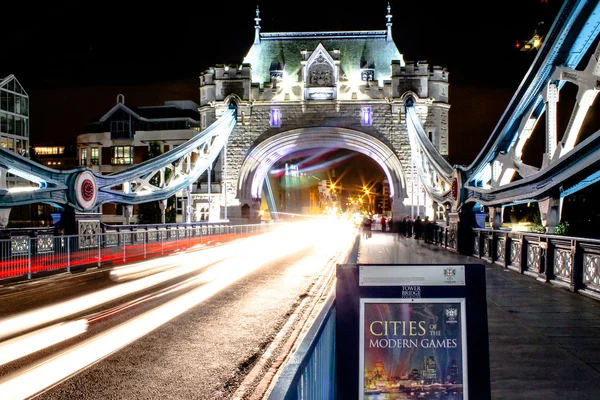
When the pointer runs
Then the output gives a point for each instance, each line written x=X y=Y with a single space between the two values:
x=29 y=259
x=144 y=239
x=99 y=250
x=68 y=254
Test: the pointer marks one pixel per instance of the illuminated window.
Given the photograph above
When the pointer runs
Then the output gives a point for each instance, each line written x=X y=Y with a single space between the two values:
x=275 y=117
x=84 y=157
x=44 y=151
x=95 y=156
x=122 y=155
x=366 y=116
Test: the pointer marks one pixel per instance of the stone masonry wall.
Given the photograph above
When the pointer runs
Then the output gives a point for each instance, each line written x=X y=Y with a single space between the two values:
x=256 y=129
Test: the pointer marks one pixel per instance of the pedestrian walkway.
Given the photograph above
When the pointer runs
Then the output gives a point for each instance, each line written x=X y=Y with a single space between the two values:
x=543 y=340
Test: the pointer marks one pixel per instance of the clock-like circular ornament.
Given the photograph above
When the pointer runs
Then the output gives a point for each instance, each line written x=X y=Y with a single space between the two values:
x=86 y=190
x=456 y=190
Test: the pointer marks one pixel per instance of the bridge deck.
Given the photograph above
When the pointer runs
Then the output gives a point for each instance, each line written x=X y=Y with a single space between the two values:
x=544 y=341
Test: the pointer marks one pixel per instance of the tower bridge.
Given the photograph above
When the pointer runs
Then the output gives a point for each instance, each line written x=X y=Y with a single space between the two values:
x=353 y=90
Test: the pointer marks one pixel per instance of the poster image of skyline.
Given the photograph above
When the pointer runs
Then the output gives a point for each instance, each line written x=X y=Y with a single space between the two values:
x=412 y=348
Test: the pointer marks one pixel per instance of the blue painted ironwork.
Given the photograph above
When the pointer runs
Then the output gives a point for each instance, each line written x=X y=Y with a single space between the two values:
x=310 y=374
x=575 y=171
x=563 y=46
x=83 y=190
x=568 y=41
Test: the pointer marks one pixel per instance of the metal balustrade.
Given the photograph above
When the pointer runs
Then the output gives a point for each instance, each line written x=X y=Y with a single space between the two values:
x=569 y=262
x=310 y=375
x=25 y=256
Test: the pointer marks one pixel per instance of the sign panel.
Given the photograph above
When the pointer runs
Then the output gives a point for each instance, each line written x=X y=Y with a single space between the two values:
x=406 y=331
x=412 y=348
x=412 y=275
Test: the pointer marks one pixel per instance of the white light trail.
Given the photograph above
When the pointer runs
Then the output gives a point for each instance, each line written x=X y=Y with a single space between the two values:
x=29 y=320
x=35 y=379
x=28 y=344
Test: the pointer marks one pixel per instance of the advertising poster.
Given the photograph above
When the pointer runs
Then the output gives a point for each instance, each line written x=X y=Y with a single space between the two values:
x=413 y=349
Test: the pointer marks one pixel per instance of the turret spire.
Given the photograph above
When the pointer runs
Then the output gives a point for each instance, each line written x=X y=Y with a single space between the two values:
x=257 y=26
x=389 y=22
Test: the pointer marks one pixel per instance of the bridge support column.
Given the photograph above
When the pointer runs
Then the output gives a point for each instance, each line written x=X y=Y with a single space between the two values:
x=551 y=97
x=4 y=216
x=188 y=209
x=461 y=227
x=4 y=212
x=399 y=210
x=496 y=213
x=162 y=204
x=550 y=210
x=85 y=225
x=128 y=213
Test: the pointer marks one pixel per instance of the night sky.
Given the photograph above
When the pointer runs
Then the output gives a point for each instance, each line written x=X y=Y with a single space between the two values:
x=74 y=58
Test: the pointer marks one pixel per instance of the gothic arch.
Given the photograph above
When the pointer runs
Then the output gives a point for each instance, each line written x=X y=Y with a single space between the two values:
x=265 y=154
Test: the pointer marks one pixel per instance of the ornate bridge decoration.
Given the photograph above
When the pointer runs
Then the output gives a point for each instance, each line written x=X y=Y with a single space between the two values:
x=498 y=176
x=83 y=190
x=433 y=170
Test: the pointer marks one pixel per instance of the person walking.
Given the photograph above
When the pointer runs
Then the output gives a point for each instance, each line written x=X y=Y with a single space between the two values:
x=383 y=224
x=418 y=227
x=366 y=225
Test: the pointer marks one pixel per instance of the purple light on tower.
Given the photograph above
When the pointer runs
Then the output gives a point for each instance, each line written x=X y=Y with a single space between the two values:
x=275 y=117
x=366 y=116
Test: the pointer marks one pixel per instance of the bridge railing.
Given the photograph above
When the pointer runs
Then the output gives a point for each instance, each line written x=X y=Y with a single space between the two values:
x=310 y=374
x=25 y=256
x=569 y=262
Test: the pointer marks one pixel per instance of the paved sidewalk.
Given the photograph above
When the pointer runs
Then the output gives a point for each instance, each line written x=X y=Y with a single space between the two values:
x=544 y=340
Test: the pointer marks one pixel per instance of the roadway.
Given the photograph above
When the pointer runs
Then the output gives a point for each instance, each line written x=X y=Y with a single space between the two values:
x=195 y=325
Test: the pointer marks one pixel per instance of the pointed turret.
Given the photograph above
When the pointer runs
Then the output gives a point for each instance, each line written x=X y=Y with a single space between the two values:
x=257 y=27
x=389 y=22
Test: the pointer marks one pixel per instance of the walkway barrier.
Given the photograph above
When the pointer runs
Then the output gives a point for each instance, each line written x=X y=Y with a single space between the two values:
x=24 y=256
x=310 y=373
x=569 y=262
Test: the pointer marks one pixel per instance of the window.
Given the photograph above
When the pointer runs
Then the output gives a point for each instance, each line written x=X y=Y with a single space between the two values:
x=18 y=104
x=95 y=156
x=11 y=102
x=3 y=123
x=11 y=124
x=203 y=121
x=275 y=117
x=122 y=155
x=180 y=205
x=3 y=100
x=366 y=116
x=19 y=126
x=84 y=157
x=120 y=130
x=430 y=135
